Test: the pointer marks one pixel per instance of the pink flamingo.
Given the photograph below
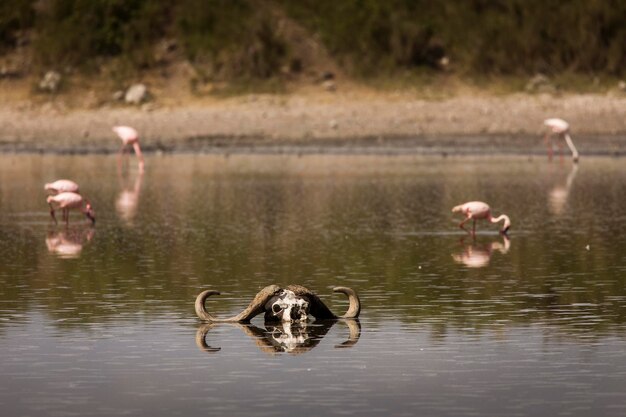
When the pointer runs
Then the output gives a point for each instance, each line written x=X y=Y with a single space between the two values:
x=70 y=201
x=559 y=127
x=130 y=136
x=61 y=186
x=477 y=210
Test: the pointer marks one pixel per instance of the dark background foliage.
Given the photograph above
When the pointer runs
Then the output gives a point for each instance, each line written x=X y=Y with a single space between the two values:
x=239 y=38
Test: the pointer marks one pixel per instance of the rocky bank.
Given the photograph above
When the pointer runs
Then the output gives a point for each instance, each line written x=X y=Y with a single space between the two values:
x=322 y=122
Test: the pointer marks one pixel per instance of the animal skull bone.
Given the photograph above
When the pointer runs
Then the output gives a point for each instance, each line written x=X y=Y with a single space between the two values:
x=289 y=307
x=291 y=304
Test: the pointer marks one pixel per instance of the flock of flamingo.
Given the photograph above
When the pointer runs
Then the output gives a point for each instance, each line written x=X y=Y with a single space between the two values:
x=65 y=194
x=478 y=210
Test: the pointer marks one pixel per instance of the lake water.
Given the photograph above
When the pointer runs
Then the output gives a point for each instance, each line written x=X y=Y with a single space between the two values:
x=100 y=321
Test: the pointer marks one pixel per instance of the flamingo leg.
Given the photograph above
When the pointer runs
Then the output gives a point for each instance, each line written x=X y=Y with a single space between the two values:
x=474 y=228
x=469 y=216
x=120 y=155
x=548 y=141
x=560 y=143
x=52 y=214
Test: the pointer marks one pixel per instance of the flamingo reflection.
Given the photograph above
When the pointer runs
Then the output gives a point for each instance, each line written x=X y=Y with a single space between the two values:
x=128 y=199
x=557 y=197
x=68 y=243
x=476 y=255
x=292 y=338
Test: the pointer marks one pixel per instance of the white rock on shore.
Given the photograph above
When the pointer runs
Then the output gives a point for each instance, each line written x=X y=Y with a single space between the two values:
x=136 y=94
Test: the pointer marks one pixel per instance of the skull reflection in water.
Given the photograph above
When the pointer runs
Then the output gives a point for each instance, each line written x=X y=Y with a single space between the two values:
x=290 y=338
x=287 y=307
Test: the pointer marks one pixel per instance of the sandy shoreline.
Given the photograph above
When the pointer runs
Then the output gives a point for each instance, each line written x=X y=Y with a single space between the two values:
x=339 y=122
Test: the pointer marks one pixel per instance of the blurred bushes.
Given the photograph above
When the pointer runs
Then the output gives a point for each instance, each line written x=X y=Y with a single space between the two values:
x=526 y=36
x=15 y=16
x=239 y=38
x=368 y=36
x=235 y=37
x=75 y=32
x=480 y=36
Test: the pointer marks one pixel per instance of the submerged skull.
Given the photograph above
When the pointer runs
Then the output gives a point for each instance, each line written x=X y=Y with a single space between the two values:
x=287 y=307
x=291 y=304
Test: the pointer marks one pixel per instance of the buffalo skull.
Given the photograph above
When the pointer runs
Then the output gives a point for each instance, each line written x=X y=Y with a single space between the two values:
x=293 y=303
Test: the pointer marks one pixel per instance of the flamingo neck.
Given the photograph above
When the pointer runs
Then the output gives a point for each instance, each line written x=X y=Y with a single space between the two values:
x=571 y=146
x=507 y=221
x=139 y=156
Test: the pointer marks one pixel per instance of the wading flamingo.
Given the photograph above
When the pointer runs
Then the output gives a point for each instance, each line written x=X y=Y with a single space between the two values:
x=477 y=210
x=559 y=127
x=130 y=136
x=70 y=201
x=61 y=186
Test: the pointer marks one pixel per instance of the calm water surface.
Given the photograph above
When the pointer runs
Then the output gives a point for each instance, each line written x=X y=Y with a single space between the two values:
x=100 y=321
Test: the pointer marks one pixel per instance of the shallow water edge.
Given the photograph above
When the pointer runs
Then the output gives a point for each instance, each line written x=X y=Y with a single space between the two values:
x=444 y=145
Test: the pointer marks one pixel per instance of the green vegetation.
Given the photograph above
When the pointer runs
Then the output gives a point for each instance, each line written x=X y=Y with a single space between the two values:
x=369 y=36
x=238 y=39
x=14 y=16
x=492 y=36
x=78 y=32
x=234 y=38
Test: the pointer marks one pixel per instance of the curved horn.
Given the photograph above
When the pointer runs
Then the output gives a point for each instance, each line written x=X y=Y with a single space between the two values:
x=320 y=311
x=355 y=303
x=255 y=307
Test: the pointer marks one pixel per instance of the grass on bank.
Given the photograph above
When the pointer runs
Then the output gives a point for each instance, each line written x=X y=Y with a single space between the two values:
x=387 y=44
